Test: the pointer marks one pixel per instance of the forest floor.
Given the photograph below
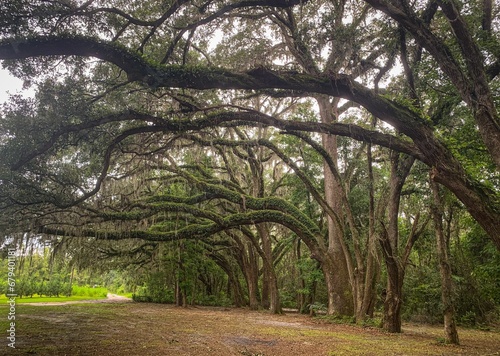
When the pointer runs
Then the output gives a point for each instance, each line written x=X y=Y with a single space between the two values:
x=125 y=328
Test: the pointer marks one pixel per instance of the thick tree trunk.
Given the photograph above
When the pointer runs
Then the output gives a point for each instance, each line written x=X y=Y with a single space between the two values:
x=236 y=290
x=340 y=293
x=275 y=301
x=271 y=300
x=372 y=275
x=450 y=326
x=338 y=303
x=246 y=259
x=180 y=292
x=392 y=309
x=366 y=304
x=400 y=168
x=301 y=297
x=265 y=294
x=270 y=287
x=234 y=286
x=340 y=300
x=252 y=277
x=395 y=274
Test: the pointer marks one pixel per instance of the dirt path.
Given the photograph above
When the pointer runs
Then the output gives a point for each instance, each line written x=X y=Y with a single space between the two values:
x=115 y=328
x=117 y=298
x=110 y=298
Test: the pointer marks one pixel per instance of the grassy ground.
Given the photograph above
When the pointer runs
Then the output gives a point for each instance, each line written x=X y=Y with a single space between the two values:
x=128 y=295
x=153 y=329
x=37 y=299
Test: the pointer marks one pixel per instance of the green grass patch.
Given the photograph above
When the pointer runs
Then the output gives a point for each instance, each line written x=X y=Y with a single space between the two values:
x=77 y=293
x=43 y=299
x=89 y=291
x=128 y=295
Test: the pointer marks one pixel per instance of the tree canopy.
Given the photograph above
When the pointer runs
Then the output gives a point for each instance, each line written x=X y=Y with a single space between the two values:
x=167 y=46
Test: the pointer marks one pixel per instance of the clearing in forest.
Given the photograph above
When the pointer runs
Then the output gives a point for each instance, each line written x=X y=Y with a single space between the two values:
x=156 y=329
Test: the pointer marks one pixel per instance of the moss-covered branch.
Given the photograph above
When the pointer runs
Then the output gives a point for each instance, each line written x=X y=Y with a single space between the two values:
x=196 y=231
x=221 y=117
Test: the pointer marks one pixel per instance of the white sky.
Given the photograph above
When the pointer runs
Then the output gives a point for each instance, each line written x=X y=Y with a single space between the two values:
x=8 y=85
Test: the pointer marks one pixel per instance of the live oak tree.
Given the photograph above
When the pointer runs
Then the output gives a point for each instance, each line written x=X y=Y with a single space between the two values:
x=106 y=32
x=149 y=68
x=217 y=203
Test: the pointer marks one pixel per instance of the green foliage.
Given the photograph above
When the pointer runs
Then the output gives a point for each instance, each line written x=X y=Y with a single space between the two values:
x=317 y=307
x=423 y=302
x=309 y=272
x=219 y=300
x=89 y=291
x=198 y=278
x=155 y=290
x=40 y=273
x=478 y=287
x=475 y=265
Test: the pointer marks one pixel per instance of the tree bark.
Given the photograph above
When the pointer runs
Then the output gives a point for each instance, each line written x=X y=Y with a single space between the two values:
x=450 y=327
x=338 y=304
x=372 y=260
x=234 y=286
x=392 y=303
x=251 y=273
x=270 y=281
x=400 y=168
x=340 y=293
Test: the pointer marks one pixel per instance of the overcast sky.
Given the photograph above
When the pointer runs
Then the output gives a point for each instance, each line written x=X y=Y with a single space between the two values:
x=8 y=84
